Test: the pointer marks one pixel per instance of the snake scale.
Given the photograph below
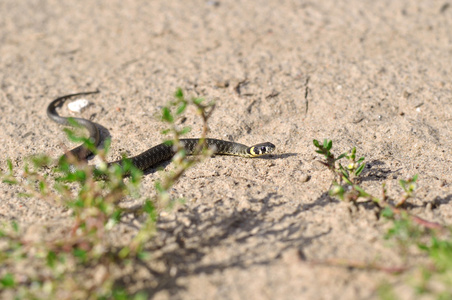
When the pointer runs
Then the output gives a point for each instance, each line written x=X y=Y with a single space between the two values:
x=157 y=154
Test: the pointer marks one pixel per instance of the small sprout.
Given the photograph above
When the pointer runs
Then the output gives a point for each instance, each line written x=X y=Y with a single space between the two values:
x=409 y=187
x=324 y=149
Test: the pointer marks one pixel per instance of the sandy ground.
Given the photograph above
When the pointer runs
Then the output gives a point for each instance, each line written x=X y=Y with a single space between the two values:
x=371 y=74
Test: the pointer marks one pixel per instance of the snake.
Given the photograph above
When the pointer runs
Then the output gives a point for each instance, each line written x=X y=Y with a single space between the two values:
x=157 y=154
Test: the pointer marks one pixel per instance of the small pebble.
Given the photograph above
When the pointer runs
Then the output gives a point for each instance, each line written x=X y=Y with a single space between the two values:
x=304 y=177
x=78 y=105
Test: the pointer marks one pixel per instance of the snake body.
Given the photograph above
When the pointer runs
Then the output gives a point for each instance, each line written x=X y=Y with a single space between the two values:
x=156 y=154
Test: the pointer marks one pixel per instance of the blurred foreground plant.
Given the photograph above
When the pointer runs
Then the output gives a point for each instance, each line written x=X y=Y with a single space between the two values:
x=82 y=261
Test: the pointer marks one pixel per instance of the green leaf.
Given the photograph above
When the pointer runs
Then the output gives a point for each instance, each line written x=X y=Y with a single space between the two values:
x=9 y=181
x=148 y=207
x=73 y=122
x=168 y=142
x=40 y=160
x=198 y=101
x=337 y=190
x=344 y=171
x=353 y=154
x=330 y=145
x=8 y=280
x=341 y=156
x=136 y=175
x=76 y=176
x=347 y=180
x=80 y=254
x=120 y=294
x=359 y=170
x=10 y=165
x=325 y=143
x=179 y=94
x=362 y=193
x=107 y=144
x=51 y=259
x=387 y=212
x=181 y=108
x=316 y=143
x=25 y=195
x=78 y=203
x=423 y=247
x=165 y=131
x=185 y=130
x=158 y=187
x=15 y=226
x=360 y=160
x=116 y=216
x=166 y=115
x=141 y=296
x=414 y=179
x=42 y=187
x=143 y=255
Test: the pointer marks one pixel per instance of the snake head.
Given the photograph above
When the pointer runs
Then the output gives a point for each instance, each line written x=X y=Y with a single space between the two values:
x=261 y=149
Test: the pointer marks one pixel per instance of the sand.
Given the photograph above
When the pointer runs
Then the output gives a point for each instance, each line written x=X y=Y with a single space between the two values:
x=371 y=74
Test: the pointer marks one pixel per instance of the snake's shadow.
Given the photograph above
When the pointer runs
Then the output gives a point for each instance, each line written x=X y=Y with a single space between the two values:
x=279 y=156
x=183 y=243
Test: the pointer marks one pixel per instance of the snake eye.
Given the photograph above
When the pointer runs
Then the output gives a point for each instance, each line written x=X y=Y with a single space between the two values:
x=264 y=148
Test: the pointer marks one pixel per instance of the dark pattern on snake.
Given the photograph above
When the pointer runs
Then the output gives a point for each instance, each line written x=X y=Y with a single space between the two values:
x=159 y=153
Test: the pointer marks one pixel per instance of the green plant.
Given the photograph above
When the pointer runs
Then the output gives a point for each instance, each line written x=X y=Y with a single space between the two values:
x=348 y=174
x=64 y=264
x=406 y=229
